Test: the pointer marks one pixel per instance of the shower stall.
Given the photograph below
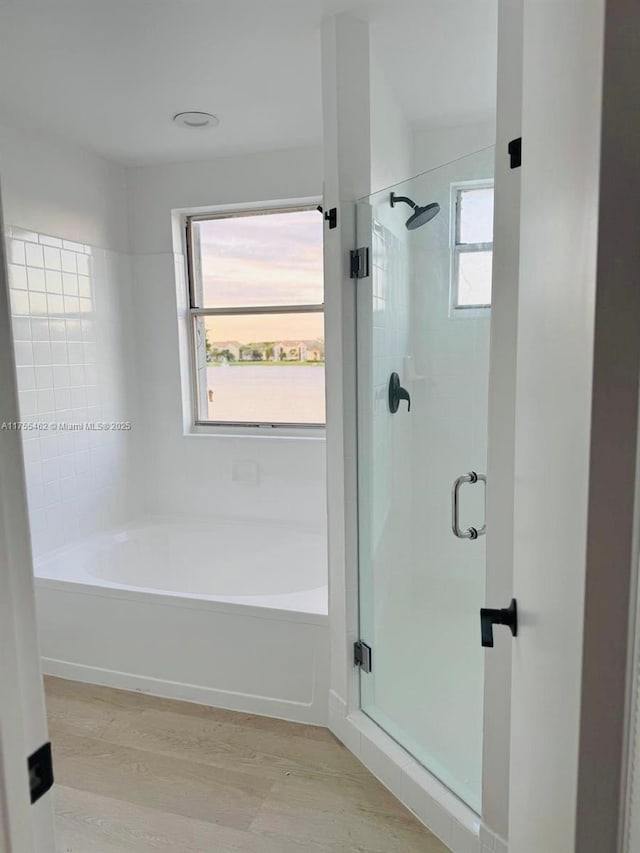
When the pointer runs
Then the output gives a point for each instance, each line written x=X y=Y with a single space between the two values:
x=423 y=314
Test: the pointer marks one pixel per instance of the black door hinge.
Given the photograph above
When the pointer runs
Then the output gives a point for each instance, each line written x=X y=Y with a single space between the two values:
x=359 y=262
x=40 y=766
x=515 y=153
x=330 y=216
x=362 y=656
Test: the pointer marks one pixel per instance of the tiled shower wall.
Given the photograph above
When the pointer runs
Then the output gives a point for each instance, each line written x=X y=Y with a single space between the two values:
x=75 y=360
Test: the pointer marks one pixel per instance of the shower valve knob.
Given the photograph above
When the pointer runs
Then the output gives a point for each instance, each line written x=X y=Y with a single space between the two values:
x=397 y=393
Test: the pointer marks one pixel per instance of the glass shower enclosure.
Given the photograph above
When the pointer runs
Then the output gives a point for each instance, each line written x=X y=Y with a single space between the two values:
x=423 y=316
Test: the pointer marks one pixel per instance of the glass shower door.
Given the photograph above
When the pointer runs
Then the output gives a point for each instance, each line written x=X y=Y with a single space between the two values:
x=423 y=352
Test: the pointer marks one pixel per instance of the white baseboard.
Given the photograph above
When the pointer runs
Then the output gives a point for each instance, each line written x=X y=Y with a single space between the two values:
x=298 y=712
x=454 y=823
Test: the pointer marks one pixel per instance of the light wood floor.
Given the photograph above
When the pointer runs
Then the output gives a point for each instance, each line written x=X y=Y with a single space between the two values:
x=136 y=773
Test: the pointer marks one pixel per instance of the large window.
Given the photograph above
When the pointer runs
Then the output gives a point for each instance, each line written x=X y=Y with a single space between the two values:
x=256 y=296
x=472 y=245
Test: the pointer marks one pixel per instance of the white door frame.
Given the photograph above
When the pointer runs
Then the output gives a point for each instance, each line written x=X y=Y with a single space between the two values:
x=576 y=424
x=24 y=828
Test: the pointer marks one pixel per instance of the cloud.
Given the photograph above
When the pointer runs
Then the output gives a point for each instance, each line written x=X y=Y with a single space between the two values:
x=273 y=259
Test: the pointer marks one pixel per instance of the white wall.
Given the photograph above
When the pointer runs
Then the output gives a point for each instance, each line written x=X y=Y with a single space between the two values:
x=435 y=146
x=70 y=283
x=391 y=134
x=194 y=474
x=52 y=187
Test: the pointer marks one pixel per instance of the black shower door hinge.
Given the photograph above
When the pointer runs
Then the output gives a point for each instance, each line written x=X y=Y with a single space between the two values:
x=362 y=656
x=359 y=262
x=40 y=766
x=515 y=153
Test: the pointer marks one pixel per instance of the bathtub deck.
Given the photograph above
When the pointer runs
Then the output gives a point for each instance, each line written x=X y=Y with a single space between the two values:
x=137 y=773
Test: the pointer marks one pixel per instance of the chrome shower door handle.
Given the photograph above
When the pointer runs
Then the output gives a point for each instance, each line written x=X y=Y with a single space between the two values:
x=472 y=532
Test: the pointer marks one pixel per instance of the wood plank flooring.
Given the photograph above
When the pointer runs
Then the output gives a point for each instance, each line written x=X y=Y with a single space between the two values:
x=137 y=773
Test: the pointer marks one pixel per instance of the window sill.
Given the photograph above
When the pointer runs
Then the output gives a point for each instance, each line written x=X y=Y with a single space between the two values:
x=267 y=433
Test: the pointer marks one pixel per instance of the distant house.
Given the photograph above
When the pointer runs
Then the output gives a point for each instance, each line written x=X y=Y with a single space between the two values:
x=315 y=353
x=223 y=350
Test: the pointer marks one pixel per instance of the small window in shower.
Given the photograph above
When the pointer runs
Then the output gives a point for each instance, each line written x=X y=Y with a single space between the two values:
x=472 y=245
x=256 y=295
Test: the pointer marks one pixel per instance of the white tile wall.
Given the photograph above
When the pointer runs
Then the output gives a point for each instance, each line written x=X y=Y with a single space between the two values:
x=74 y=368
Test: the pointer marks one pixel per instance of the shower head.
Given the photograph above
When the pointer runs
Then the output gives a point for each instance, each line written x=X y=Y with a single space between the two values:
x=420 y=215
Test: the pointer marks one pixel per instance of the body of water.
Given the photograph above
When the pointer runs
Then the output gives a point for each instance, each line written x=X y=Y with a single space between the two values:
x=267 y=394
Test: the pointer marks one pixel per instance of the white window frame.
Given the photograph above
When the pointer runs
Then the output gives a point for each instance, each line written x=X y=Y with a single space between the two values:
x=457 y=248
x=200 y=425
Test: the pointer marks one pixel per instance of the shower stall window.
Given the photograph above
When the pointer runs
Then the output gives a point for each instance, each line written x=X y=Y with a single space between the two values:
x=471 y=245
x=256 y=304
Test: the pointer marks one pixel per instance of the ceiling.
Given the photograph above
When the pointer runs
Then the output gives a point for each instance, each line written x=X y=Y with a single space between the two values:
x=110 y=74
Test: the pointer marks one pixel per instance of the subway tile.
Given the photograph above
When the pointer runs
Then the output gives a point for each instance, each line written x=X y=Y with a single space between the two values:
x=17 y=277
x=38 y=303
x=34 y=255
x=55 y=304
x=83 y=461
x=27 y=403
x=45 y=240
x=67 y=488
x=75 y=352
x=71 y=305
x=58 y=354
x=22 y=234
x=46 y=401
x=58 y=330
x=48 y=446
x=23 y=352
x=31 y=452
x=16 y=253
x=54 y=281
x=86 y=306
x=50 y=470
x=74 y=330
x=61 y=373
x=52 y=260
x=69 y=284
x=26 y=378
x=88 y=329
x=62 y=399
x=84 y=286
x=35 y=497
x=78 y=398
x=20 y=302
x=21 y=328
x=40 y=328
x=44 y=377
x=41 y=352
x=66 y=463
x=73 y=247
x=51 y=493
x=82 y=262
x=76 y=375
x=68 y=260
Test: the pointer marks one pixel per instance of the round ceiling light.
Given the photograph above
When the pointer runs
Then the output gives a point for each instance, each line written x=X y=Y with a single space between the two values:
x=196 y=120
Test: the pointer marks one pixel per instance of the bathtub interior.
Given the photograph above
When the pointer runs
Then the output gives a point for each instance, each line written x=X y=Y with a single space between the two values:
x=253 y=563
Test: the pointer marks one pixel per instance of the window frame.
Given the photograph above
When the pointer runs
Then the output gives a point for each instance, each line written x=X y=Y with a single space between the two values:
x=458 y=248
x=200 y=425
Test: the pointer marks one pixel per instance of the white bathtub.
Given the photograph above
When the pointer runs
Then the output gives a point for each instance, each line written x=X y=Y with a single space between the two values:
x=230 y=614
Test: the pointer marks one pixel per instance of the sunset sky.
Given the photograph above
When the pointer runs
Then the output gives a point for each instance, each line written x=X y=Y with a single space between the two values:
x=273 y=259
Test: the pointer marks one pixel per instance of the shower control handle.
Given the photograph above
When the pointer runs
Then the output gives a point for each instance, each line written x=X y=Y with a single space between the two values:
x=471 y=532
x=505 y=616
x=397 y=393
